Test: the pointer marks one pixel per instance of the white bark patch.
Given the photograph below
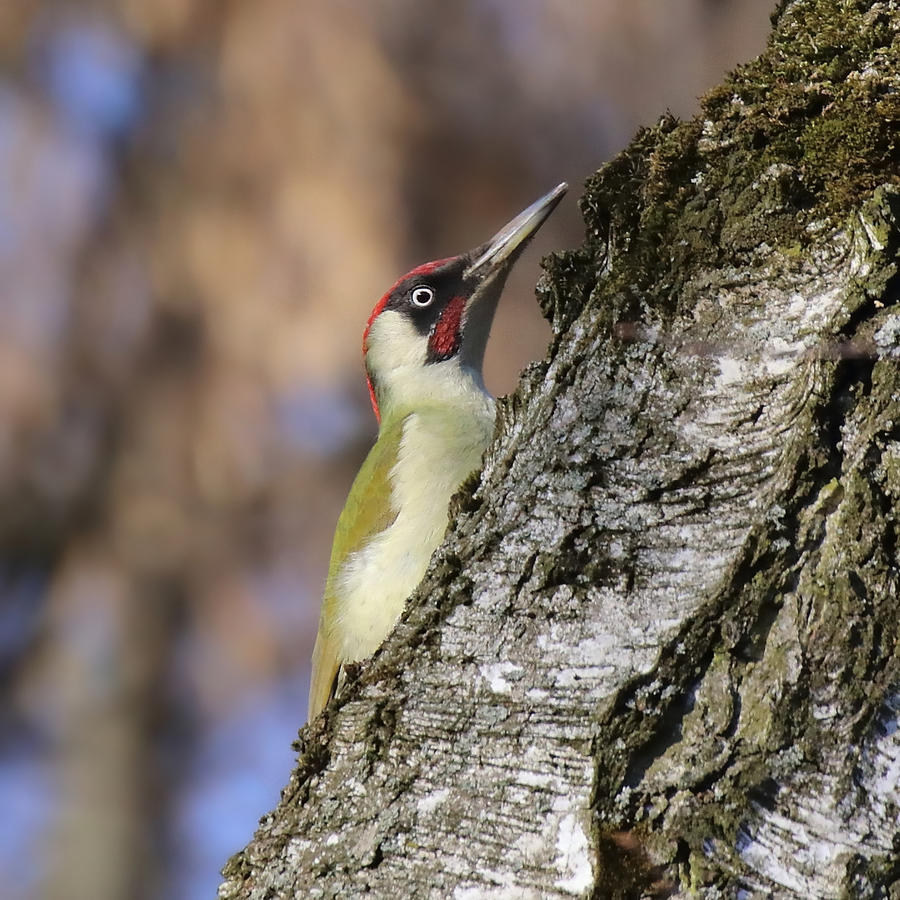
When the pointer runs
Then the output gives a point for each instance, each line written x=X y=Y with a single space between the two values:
x=430 y=802
x=480 y=892
x=533 y=779
x=495 y=676
x=574 y=860
x=731 y=371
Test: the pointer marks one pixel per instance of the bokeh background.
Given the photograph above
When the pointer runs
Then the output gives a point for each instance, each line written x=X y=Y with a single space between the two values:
x=200 y=200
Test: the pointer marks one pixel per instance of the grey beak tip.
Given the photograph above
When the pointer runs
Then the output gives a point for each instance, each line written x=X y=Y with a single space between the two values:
x=515 y=234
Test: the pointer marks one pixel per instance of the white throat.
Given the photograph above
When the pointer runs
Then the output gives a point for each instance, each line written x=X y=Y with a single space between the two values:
x=406 y=382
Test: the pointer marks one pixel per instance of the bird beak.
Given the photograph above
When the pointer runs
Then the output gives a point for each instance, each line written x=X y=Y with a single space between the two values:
x=506 y=245
x=488 y=270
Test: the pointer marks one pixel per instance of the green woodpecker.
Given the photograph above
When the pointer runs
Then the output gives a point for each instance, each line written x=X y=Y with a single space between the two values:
x=424 y=348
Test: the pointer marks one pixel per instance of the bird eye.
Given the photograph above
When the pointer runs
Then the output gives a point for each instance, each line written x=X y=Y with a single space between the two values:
x=422 y=296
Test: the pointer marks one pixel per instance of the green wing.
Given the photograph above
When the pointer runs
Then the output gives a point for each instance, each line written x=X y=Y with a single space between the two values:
x=367 y=511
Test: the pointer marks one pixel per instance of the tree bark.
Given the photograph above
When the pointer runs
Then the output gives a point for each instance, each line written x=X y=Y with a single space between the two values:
x=657 y=653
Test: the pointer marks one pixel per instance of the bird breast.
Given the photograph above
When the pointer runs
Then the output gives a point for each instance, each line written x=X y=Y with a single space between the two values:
x=438 y=450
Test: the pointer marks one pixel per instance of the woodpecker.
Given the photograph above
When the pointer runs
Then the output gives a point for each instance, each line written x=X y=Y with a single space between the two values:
x=423 y=348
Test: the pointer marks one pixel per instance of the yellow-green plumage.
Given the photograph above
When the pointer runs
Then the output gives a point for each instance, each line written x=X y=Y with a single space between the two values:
x=368 y=510
x=394 y=519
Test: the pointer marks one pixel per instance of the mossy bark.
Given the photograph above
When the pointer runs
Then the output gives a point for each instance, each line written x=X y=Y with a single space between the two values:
x=658 y=652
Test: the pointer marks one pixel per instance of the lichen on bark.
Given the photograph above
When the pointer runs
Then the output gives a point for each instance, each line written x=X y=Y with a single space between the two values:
x=657 y=652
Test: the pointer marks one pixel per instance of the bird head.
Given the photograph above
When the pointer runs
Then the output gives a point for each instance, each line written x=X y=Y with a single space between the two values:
x=427 y=335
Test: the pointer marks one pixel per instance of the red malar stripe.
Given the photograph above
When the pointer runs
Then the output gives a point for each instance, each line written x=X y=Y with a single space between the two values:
x=444 y=340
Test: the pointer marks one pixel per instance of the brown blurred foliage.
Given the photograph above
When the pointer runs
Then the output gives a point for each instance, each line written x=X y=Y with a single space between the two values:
x=183 y=293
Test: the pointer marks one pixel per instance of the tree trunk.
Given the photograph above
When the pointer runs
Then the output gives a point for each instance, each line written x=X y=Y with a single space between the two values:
x=657 y=653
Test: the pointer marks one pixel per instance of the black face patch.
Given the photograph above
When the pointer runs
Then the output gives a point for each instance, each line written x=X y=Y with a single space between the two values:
x=433 y=297
x=409 y=295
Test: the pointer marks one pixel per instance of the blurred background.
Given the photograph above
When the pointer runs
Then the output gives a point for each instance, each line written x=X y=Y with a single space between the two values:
x=200 y=201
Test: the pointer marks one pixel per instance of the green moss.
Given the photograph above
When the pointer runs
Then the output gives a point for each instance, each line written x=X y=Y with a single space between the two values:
x=846 y=141
x=801 y=134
